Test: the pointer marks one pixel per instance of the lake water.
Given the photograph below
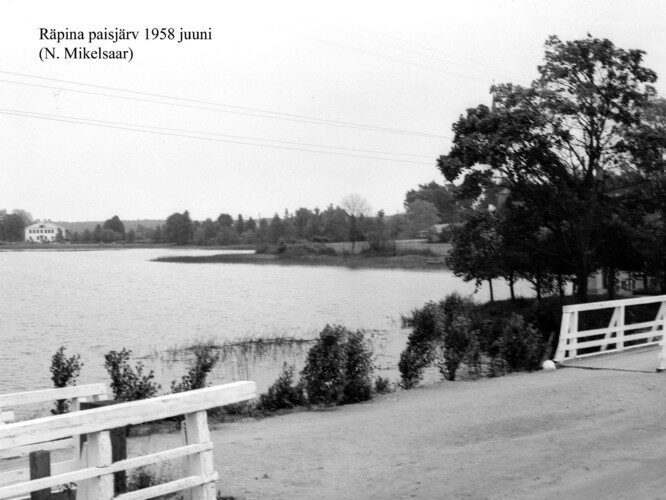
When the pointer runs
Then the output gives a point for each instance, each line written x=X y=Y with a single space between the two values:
x=95 y=301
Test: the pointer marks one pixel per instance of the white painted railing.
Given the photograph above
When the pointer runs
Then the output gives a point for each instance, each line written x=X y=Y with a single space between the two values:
x=74 y=394
x=93 y=471
x=617 y=336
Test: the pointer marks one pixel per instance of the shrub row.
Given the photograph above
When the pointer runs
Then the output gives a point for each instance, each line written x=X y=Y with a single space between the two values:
x=457 y=332
x=338 y=370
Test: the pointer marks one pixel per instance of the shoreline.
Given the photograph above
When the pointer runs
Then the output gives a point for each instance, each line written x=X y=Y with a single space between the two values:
x=356 y=261
x=84 y=247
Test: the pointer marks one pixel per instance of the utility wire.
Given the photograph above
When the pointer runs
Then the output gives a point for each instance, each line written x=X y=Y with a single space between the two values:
x=440 y=52
x=389 y=58
x=133 y=128
x=208 y=105
x=226 y=136
x=490 y=71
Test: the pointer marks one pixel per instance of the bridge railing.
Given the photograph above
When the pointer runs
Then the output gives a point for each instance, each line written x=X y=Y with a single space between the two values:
x=619 y=334
x=94 y=472
x=75 y=395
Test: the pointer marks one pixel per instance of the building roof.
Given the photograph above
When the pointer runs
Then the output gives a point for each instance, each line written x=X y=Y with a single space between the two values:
x=43 y=224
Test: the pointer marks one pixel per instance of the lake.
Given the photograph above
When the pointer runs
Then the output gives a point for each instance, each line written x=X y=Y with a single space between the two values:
x=96 y=301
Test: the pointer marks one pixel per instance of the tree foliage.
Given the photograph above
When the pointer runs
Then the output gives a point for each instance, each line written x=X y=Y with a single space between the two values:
x=64 y=372
x=179 y=229
x=566 y=146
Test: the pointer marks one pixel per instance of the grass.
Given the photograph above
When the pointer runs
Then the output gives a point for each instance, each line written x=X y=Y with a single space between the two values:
x=255 y=347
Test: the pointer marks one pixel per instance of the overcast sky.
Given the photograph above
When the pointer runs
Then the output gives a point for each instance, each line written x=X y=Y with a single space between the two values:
x=269 y=70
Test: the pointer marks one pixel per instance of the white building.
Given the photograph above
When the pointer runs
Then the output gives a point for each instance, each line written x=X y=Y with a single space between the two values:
x=43 y=232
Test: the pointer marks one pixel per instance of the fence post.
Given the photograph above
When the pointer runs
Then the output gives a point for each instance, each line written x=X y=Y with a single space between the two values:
x=40 y=466
x=196 y=431
x=99 y=455
x=186 y=462
x=573 y=333
x=662 y=352
x=118 y=445
x=620 y=331
x=563 y=338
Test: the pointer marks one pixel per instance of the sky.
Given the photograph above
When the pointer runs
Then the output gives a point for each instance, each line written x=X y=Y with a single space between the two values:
x=288 y=105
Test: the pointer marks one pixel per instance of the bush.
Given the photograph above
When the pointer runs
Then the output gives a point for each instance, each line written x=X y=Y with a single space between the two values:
x=460 y=345
x=420 y=350
x=127 y=383
x=281 y=245
x=338 y=368
x=282 y=394
x=234 y=412
x=358 y=384
x=496 y=367
x=383 y=386
x=380 y=246
x=520 y=344
x=141 y=478
x=545 y=316
x=64 y=372
x=413 y=360
x=205 y=359
x=439 y=332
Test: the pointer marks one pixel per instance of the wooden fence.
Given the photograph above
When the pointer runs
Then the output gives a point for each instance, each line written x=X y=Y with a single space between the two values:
x=619 y=335
x=93 y=470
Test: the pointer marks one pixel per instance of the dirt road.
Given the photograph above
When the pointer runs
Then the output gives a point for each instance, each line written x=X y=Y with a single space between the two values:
x=574 y=433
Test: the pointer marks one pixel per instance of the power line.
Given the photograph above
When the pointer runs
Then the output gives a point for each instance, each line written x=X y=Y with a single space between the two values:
x=389 y=58
x=208 y=105
x=438 y=51
x=226 y=136
x=133 y=128
x=419 y=53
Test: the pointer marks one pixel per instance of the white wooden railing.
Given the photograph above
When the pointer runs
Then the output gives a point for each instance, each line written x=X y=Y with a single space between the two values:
x=75 y=395
x=93 y=471
x=617 y=336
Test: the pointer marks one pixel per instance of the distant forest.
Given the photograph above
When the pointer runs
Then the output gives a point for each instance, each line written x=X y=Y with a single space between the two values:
x=351 y=220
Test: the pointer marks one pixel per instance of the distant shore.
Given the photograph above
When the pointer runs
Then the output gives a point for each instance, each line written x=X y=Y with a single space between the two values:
x=349 y=261
x=69 y=247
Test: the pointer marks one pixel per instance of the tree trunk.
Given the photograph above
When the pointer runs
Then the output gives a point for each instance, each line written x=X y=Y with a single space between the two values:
x=537 y=285
x=581 y=286
x=610 y=281
x=492 y=295
x=512 y=280
x=560 y=286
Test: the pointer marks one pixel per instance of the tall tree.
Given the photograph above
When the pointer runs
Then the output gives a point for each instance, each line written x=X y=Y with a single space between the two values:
x=356 y=207
x=12 y=226
x=442 y=197
x=179 y=229
x=476 y=252
x=421 y=215
x=116 y=225
x=565 y=137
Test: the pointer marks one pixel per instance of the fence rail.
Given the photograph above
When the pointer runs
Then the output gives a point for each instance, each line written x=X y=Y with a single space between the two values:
x=93 y=471
x=618 y=335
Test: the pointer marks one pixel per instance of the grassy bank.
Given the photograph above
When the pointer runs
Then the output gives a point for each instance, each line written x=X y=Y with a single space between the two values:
x=349 y=261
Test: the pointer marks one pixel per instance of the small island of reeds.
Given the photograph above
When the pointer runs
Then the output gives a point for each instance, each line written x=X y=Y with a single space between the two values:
x=307 y=254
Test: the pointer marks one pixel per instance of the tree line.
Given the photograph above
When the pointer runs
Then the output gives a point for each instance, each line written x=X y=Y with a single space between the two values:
x=351 y=220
